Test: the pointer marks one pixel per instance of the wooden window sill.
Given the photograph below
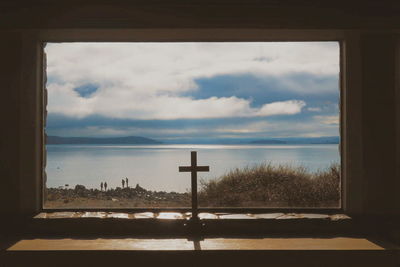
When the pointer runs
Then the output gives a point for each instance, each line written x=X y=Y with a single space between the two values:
x=124 y=251
x=122 y=243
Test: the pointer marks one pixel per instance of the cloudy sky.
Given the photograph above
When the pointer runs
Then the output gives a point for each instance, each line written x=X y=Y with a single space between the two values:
x=193 y=92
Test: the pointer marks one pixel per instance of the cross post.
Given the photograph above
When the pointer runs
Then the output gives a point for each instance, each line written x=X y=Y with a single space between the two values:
x=193 y=169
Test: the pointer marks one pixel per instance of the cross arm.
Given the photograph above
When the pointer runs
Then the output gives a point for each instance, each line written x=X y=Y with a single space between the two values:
x=185 y=169
x=203 y=168
x=197 y=168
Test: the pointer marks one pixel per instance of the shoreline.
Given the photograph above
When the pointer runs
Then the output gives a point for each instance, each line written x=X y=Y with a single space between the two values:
x=263 y=185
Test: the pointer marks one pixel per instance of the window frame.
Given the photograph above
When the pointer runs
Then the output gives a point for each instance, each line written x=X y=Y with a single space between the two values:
x=35 y=99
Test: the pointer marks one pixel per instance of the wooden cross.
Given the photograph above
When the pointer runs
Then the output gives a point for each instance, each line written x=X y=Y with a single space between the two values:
x=193 y=168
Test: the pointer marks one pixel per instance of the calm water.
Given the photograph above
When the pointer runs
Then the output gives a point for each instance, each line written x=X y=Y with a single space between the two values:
x=155 y=167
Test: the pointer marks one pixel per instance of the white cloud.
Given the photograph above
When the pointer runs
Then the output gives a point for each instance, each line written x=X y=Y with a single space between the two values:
x=146 y=80
x=329 y=120
x=314 y=109
x=176 y=64
x=128 y=106
x=284 y=107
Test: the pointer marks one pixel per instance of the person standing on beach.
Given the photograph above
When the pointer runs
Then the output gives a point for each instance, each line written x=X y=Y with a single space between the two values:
x=101 y=186
x=105 y=186
x=123 y=183
x=126 y=181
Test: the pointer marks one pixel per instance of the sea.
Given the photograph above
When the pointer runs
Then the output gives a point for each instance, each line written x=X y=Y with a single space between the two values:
x=155 y=167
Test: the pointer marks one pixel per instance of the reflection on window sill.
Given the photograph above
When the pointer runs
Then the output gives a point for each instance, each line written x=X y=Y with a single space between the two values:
x=177 y=224
x=186 y=216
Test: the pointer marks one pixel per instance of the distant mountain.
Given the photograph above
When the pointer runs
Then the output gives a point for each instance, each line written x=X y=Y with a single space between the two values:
x=300 y=140
x=268 y=141
x=131 y=140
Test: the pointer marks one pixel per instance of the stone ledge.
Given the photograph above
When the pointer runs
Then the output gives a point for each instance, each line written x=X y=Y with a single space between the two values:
x=174 y=224
x=185 y=216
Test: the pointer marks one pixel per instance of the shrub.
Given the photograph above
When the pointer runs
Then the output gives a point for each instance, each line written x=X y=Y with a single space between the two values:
x=269 y=185
x=80 y=190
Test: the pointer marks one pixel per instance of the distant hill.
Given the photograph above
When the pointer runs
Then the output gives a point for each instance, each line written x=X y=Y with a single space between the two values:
x=268 y=141
x=299 y=140
x=132 y=140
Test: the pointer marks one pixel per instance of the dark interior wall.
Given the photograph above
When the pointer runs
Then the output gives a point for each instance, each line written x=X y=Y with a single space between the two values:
x=377 y=50
x=397 y=122
x=379 y=122
x=10 y=77
x=282 y=14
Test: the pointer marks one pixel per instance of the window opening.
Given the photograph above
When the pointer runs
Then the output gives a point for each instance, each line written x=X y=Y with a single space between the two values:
x=123 y=116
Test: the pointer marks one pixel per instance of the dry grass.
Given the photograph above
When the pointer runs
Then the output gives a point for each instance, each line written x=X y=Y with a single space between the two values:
x=268 y=185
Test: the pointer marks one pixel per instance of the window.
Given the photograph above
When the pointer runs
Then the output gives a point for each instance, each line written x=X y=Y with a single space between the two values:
x=368 y=182
x=263 y=115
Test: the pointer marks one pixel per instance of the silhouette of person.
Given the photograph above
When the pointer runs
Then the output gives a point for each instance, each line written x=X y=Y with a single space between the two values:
x=105 y=186
x=101 y=186
x=123 y=183
x=126 y=181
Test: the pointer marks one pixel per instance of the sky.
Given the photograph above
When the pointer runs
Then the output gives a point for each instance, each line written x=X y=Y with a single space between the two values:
x=193 y=92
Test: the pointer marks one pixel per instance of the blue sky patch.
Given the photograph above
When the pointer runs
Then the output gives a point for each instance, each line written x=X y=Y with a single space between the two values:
x=86 y=90
x=314 y=89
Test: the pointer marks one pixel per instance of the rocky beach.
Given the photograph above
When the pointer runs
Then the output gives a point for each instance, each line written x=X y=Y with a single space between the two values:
x=137 y=196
